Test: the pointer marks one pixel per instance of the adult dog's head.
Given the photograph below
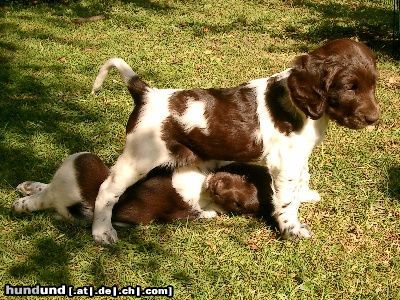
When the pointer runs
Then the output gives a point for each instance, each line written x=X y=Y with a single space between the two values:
x=337 y=79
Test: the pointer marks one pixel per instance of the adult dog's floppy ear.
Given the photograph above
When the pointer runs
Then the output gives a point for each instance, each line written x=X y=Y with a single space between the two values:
x=307 y=85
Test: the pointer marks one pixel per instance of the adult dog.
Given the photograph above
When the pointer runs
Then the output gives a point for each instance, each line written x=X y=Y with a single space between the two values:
x=275 y=121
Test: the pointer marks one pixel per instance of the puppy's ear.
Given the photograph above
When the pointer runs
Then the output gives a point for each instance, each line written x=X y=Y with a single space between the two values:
x=307 y=86
x=218 y=182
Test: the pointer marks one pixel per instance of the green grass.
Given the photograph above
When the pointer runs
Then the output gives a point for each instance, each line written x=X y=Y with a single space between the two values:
x=48 y=64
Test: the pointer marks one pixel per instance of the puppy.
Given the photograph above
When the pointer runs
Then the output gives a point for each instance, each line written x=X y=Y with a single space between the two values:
x=72 y=193
x=275 y=121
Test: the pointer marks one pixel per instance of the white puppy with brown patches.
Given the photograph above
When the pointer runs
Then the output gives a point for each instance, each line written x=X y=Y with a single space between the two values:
x=275 y=121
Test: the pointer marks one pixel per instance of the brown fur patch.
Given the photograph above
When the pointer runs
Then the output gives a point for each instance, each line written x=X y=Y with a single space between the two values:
x=152 y=199
x=285 y=116
x=138 y=89
x=133 y=118
x=252 y=187
x=246 y=190
x=231 y=114
x=233 y=193
x=90 y=174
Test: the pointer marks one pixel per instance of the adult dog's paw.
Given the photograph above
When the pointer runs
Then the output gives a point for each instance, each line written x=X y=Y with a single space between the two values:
x=106 y=237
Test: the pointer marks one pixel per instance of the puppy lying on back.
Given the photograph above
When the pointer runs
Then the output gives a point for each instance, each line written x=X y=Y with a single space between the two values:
x=72 y=192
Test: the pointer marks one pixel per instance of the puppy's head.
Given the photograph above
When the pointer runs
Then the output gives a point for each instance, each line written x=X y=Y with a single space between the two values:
x=233 y=193
x=337 y=79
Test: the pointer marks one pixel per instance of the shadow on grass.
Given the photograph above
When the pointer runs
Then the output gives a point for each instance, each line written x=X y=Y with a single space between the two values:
x=394 y=183
x=240 y=23
x=371 y=25
x=52 y=257
x=86 y=9
x=30 y=106
x=48 y=264
x=51 y=260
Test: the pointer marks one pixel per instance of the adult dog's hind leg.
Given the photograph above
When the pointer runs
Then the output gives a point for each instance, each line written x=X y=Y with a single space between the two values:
x=128 y=169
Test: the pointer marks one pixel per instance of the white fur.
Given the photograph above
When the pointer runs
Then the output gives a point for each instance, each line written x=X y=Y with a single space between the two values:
x=28 y=188
x=187 y=176
x=195 y=196
x=287 y=159
x=145 y=142
x=266 y=126
x=286 y=156
x=124 y=69
x=193 y=117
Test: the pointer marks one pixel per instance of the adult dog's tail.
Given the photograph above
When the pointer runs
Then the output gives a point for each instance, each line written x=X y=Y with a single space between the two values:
x=136 y=86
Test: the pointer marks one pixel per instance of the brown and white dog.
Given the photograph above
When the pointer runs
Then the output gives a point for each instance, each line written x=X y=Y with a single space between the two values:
x=72 y=192
x=275 y=121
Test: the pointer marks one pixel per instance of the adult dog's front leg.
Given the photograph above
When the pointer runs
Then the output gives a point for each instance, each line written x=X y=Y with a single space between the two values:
x=307 y=194
x=127 y=170
x=286 y=185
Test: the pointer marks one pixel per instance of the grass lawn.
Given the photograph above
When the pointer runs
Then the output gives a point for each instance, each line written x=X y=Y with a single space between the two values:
x=47 y=66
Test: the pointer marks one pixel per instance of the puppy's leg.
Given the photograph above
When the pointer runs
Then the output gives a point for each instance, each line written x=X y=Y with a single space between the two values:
x=39 y=197
x=64 y=213
x=286 y=178
x=41 y=201
x=63 y=191
x=207 y=214
x=306 y=194
x=28 y=188
x=37 y=201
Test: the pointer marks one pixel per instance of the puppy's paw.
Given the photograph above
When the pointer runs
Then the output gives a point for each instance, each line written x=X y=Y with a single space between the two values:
x=208 y=214
x=28 y=188
x=296 y=231
x=311 y=196
x=105 y=237
x=21 y=205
